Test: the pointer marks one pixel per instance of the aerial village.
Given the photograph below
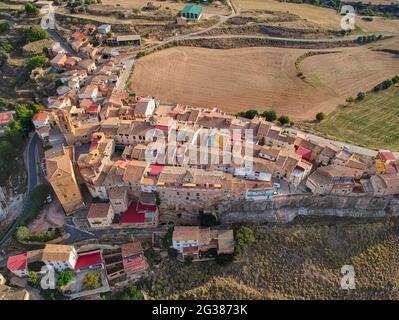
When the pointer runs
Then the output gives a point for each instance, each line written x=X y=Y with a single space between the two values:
x=129 y=162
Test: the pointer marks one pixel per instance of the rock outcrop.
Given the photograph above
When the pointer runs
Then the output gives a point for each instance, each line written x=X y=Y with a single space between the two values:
x=284 y=209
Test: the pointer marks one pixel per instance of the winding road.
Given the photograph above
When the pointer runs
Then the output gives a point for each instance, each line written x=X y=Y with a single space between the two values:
x=32 y=181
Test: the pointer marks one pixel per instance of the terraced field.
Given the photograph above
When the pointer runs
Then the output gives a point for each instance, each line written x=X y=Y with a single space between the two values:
x=373 y=122
x=323 y=17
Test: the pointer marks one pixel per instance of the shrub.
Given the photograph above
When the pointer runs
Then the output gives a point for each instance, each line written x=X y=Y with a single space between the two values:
x=173 y=253
x=64 y=277
x=140 y=54
x=3 y=57
x=34 y=33
x=270 y=115
x=132 y=293
x=249 y=114
x=4 y=27
x=383 y=85
x=395 y=79
x=350 y=99
x=31 y=10
x=34 y=279
x=91 y=280
x=36 y=62
x=208 y=220
x=320 y=116
x=244 y=237
x=224 y=259
x=284 y=120
x=188 y=261
x=360 y=96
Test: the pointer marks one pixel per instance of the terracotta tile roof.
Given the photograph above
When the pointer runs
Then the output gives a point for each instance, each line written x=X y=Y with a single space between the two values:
x=40 y=116
x=186 y=233
x=98 y=210
x=57 y=252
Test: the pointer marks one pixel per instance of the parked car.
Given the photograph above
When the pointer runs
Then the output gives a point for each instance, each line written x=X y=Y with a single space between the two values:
x=49 y=198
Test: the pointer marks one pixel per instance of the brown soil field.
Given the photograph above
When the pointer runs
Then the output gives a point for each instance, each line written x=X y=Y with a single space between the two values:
x=324 y=17
x=262 y=78
x=138 y=4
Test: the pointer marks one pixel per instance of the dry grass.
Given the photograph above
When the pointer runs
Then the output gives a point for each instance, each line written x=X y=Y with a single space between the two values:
x=261 y=78
x=298 y=261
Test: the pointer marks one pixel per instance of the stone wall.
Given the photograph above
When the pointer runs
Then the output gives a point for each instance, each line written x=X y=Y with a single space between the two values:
x=285 y=208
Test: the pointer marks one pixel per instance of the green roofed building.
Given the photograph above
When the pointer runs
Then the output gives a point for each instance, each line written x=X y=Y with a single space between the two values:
x=191 y=12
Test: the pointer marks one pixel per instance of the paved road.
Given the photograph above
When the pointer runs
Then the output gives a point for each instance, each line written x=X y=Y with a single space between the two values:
x=129 y=61
x=64 y=44
x=110 y=232
x=30 y=162
x=354 y=148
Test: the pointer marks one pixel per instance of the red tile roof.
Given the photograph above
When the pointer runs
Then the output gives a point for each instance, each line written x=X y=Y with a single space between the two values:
x=189 y=250
x=94 y=108
x=88 y=259
x=18 y=262
x=304 y=153
x=133 y=262
x=40 y=116
x=78 y=36
x=387 y=155
x=161 y=127
x=155 y=169
x=6 y=117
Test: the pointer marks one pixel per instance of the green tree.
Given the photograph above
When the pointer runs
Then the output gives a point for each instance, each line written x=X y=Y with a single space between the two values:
x=320 y=116
x=360 y=96
x=269 y=115
x=92 y=280
x=208 y=220
x=38 y=195
x=31 y=9
x=22 y=233
x=36 y=62
x=284 y=120
x=3 y=57
x=132 y=293
x=34 y=279
x=4 y=27
x=249 y=114
x=188 y=261
x=244 y=237
x=64 y=277
x=224 y=259
x=33 y=33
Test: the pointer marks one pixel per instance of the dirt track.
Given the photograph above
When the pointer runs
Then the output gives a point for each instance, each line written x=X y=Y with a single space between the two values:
x=262 y=78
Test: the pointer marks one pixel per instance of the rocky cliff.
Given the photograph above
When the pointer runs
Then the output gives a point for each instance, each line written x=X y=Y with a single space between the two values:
x=285 y=208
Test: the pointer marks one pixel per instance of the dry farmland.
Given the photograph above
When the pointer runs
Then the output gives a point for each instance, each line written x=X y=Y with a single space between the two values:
x=324 y=17
x=262 y=78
